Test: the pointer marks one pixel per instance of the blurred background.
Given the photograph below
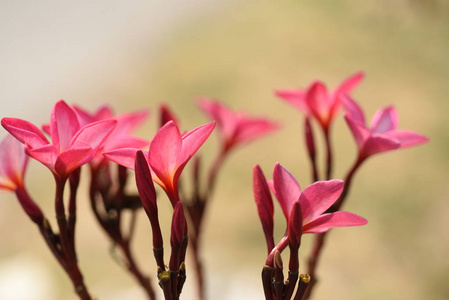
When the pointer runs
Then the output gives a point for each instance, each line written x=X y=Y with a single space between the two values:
x=138 y=54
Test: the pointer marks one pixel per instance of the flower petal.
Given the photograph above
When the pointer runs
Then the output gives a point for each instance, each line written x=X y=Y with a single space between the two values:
x=350 y=83
x=250 y=129
x=13 y=161
x=379 y=143
x=72 y=159
x=318 y=197
x=192 y=141
x=384 y=120
x=125 y=157
x=353 y=110
x=63 y=125
x=407 y=138
x=47 y=155
x=164 y=152
x=94 y=134
x=285 y=188
x=319 y=102
x=25 y=132
x=296 y=98
x=337 y=219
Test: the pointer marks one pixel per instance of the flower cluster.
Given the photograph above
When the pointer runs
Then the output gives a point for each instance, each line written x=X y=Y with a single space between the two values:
x=102 y=141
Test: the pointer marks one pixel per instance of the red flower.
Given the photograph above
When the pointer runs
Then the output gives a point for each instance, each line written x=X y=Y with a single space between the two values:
x=382 y=134
x=168 y=155
x=317 y=101
x=235 y=127
x=72 y=145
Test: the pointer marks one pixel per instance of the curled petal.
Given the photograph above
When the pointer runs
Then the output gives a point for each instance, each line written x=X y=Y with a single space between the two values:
x=384 y=120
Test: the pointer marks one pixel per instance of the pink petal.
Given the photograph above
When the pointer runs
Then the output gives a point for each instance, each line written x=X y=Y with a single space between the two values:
x=165 y=149
x=319 y=102
x=192 y=141
x=295 y=98
x=124 y=141
x=94 y=134
x=125 y=157
x=46 y=154
x=71 y=159
x=223 y=116
x=63 y=125
x=145 y=186
x=379 y=143
x=13 y=161
x=251 y=129
x=286 y=188
x=353 y=110
x=25 y=132
x=350 y=83
x=295 y=221
x=337 y=219
x=407 y=138
x=129 y=122
x=384 y=120
x=318 y=197
x=359 y=131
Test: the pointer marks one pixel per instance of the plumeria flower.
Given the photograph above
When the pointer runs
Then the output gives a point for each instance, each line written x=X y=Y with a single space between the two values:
x=168 y=155
x=235 y=127
x=121 y=136
x=313 y=202
x=382 y=134
x=13 y=162
x=72 y=145
x=319 y=103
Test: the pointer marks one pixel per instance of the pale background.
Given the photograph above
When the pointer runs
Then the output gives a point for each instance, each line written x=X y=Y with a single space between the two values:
x=136 y=54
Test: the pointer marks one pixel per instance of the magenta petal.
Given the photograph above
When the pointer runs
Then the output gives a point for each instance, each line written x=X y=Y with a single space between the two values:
x=286 y=188
x=295 y=221
x=94 y=134
x=318 y=101
x=13 y=161
x=124 y=141
x=295 y=98
x=251 y=129
x=63 y=125
x=124 y=157
x=25 y=132
x=359 y=131
x=46 y=155
x=384 y=120
x=408 y=138
x=318 y=197
x=379 y=143
x=164 y=152
x=193 y=140
x=353 y=110
x=337 y=219
x=71 y=159
x=349 y=84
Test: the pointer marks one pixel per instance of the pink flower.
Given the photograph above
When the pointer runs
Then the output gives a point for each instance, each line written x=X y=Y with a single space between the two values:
x=121 y=136
x=235 y=127
x=168 y=155
x=318 y=102
x=72 y=145
x=382 y=134
x=13 y=162
x=313 y=202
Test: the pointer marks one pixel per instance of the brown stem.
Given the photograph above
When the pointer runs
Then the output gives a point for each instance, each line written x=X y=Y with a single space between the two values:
x=329 y=154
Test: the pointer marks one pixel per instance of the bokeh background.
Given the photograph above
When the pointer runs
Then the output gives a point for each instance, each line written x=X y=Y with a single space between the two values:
x=138 y=54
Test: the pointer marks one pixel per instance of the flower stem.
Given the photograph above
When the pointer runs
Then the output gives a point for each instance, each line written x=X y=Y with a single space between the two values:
x=329 y=154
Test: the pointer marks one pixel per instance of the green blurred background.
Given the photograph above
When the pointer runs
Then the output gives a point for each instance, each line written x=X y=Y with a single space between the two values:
x=137 y=54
